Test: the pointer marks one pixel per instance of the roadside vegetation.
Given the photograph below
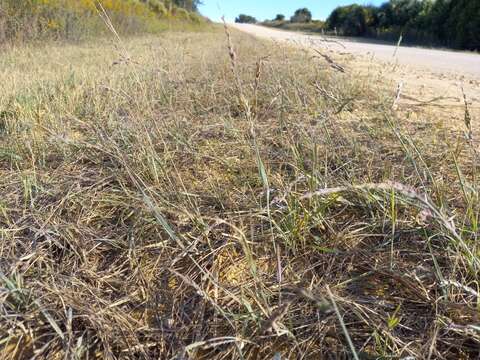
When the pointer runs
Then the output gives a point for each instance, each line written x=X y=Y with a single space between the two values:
x=40 y=20
x=448 y=23
x=452 y=23
x=212 y=196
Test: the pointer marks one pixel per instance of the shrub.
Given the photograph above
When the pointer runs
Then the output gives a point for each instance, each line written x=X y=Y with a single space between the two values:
x=245 y=19
x=351 y=20
x=301 y=16
x=181 y=14
x=158 y=7
x=195 y=18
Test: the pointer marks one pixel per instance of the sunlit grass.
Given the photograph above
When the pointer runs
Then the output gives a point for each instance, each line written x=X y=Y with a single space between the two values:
x=182 y=196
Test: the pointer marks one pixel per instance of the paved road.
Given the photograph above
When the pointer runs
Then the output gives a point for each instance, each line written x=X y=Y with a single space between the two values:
x=440 y=61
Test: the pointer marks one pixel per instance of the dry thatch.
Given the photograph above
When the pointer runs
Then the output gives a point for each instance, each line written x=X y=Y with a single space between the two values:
x=169 y=207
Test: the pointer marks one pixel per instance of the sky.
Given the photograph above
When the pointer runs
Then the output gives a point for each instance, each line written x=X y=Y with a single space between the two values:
x=267 y=9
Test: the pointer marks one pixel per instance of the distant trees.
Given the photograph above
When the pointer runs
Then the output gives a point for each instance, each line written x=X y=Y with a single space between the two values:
x=245 y=19
x=454 y=23
x=301 y=16
x=300 y=20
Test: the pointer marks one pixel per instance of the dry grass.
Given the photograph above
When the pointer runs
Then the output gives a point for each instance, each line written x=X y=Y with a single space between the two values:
x=156 y=204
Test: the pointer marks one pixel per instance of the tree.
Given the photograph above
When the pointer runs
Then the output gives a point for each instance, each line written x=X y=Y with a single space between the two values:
x=301 y=16
x=352 y=20
x=454 y=23
x=279 y=17
x=404 y=12
x=245 y=19
x=438 y=17
x=463 y=25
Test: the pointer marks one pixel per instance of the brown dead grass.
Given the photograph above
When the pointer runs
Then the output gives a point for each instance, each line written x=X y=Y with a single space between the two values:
x=155 y=207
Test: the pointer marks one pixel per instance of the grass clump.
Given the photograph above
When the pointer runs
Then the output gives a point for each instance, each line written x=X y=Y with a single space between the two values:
x=181 y=199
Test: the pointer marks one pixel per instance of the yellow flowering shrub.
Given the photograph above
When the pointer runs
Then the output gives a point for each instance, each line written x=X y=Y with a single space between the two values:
x=73 y=19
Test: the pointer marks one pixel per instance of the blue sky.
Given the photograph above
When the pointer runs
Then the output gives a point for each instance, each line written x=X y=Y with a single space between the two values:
x=267 y=9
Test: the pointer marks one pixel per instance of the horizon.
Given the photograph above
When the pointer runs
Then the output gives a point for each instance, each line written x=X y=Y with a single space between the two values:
x=268 y=9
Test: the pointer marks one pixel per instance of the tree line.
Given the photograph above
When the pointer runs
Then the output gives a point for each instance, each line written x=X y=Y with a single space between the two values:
x=452 y=23
x=302 y=15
